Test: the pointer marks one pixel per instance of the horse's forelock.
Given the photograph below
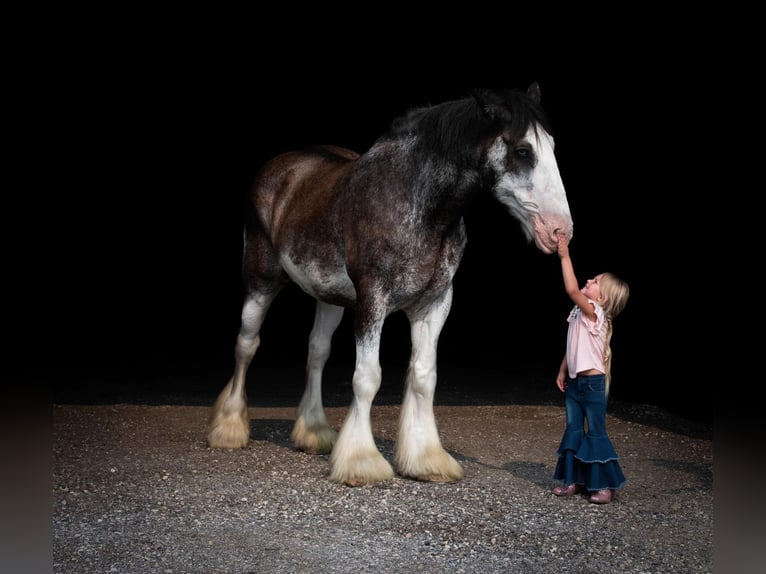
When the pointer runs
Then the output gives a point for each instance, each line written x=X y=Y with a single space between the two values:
x=524 y=111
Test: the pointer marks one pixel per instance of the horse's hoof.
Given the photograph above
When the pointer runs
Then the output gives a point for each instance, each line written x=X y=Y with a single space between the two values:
x=432 y=465
x=313 y=439
x=217 y=438
x=366 y=471
x=228 y=432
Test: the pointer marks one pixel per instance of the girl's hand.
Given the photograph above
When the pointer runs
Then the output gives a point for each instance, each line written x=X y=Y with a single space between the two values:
x=563 y=246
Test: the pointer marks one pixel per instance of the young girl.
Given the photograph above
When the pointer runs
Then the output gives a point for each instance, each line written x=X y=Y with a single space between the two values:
x=586 y=458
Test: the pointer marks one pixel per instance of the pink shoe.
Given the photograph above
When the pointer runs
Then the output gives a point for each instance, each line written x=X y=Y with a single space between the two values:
x=570 y=490
x=602 y=496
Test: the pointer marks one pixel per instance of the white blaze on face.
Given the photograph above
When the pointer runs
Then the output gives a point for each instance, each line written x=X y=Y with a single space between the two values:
x=546 y=177
x=536 y=198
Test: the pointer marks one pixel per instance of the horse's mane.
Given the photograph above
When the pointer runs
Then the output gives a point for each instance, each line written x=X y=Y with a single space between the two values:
x=446 y=127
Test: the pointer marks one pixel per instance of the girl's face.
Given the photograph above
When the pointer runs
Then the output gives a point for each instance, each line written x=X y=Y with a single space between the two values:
x=592 y=290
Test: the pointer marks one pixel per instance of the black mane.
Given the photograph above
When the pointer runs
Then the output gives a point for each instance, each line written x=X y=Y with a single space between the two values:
x=445 y=128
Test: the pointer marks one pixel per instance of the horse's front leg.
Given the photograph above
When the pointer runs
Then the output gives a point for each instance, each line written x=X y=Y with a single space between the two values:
x=229 y=425
x=311 y=432
x=355 y=459
x=419 y=453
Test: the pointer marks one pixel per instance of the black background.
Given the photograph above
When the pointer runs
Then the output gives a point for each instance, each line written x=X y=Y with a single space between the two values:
x=148 y=226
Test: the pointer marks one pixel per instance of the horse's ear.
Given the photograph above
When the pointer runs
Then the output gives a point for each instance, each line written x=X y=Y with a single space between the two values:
x=533 y=91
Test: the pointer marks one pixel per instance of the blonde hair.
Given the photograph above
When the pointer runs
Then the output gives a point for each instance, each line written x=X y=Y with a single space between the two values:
x=614 y=295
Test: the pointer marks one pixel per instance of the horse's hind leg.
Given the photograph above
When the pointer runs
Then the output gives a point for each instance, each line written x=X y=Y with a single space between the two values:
x=229 y=425
x=419 y=453
x=312 y=433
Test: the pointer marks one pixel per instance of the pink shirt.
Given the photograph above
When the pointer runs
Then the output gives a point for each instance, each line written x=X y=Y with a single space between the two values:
x=585 y=341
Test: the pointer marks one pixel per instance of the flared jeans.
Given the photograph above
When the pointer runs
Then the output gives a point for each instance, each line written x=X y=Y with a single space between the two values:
x=586 y=455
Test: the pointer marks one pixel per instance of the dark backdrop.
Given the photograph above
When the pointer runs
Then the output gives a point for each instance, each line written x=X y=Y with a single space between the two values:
x=164 y=155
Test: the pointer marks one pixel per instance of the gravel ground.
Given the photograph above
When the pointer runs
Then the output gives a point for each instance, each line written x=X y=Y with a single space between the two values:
x=136 y=489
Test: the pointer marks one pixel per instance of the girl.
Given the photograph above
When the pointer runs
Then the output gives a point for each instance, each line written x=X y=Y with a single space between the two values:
x=586 y=458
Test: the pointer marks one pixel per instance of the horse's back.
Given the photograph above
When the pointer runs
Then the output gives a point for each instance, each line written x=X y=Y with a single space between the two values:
x=298 y=182
x=291 y=167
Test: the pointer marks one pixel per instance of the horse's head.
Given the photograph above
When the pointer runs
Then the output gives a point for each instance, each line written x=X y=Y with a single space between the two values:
x=520 y=156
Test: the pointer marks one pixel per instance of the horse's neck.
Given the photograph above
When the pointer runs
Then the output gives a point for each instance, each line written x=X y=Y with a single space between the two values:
x=447 y=190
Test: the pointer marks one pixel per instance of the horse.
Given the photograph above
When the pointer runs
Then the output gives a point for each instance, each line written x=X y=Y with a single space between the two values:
x=381 y=232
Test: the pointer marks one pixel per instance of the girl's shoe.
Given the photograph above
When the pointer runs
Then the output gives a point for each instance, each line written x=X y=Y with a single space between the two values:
x=602 y=496
x=570 y=490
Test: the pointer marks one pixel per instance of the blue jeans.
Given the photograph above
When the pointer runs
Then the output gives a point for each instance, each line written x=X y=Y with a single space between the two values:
x=587 y=457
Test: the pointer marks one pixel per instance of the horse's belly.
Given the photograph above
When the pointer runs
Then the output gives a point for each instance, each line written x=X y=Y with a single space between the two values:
x=330 y=284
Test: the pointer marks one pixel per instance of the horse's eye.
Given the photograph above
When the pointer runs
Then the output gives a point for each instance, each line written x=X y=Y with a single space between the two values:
x=523 y=153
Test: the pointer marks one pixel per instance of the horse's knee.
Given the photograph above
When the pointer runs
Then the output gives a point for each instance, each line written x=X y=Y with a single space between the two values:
x=421 y=379
x=366 y=382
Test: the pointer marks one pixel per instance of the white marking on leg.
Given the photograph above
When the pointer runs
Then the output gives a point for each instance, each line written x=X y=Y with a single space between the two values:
x=311 y=432
x=229 y=425
x=419 y=452
x=355 y=459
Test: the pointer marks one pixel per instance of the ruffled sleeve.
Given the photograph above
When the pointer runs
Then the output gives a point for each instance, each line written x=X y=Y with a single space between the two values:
x=593 y=327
